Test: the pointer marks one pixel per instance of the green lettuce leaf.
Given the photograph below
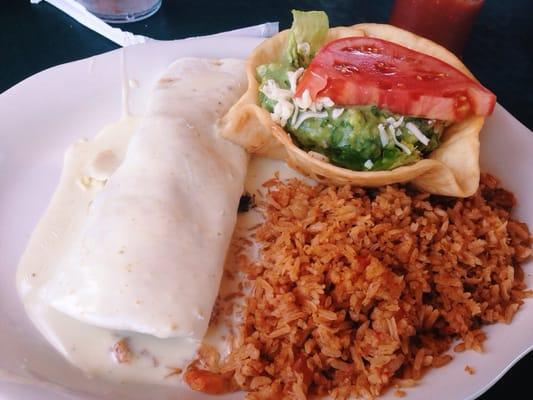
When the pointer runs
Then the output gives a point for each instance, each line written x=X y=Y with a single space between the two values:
x=308 y=33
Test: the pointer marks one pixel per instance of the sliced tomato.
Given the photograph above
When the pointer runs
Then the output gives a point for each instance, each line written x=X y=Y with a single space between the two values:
x=363 y=70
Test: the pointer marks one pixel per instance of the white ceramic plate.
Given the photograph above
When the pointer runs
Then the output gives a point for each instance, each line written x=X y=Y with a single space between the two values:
x=43 y=115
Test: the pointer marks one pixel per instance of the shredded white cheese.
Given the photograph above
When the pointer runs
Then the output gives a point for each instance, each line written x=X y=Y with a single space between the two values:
x=417 y=133
x=368 y=164
x=284 y=109
x=293 y=77
x=305 y=101
x=403 y=147
x=336 y=112
x=304 y=115
x=322 y=102
x=396 y=123
x=282 y=112
x=383 y=135
x=271 y=90
x=294 y=108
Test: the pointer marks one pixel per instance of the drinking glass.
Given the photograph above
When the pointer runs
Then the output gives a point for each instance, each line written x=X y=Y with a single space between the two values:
x=121 y=11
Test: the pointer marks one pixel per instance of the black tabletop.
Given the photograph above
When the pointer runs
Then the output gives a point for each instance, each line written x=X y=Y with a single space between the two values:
x=499 y=53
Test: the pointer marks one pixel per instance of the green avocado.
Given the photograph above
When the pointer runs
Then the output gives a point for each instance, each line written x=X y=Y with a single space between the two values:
x=353 y=138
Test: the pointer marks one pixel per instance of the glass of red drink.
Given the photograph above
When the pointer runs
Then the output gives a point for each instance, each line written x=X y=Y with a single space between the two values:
x=447 y=22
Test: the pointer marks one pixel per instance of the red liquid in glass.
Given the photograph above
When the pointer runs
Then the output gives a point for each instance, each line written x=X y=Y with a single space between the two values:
x=447 y=22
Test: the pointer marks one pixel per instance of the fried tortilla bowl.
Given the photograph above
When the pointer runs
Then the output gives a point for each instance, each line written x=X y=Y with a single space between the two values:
x=452 y=169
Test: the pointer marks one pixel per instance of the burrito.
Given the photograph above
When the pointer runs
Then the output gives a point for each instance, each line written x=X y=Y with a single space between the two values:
x=369 y=105
x=134 y=240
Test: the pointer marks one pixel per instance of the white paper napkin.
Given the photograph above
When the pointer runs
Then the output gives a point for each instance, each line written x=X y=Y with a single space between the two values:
x=124 y=38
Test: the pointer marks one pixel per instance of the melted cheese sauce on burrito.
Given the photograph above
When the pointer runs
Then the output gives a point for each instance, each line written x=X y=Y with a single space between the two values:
x=134 y=240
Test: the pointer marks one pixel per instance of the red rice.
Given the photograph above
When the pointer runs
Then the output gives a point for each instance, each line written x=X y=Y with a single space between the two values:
x=356 y=289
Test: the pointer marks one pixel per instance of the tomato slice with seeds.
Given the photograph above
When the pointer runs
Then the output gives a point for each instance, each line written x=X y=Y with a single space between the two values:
x=363 y=70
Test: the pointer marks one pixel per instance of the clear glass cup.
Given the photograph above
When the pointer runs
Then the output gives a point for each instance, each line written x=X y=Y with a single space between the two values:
x=121 y=11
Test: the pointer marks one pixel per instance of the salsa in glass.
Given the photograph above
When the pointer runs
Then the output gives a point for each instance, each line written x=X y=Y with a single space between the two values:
x=447 y=22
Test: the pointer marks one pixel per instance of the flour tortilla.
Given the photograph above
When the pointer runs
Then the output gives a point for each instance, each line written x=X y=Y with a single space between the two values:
x=452 y=169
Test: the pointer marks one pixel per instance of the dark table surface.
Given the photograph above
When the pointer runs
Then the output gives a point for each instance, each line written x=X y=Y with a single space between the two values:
x=499 y=53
